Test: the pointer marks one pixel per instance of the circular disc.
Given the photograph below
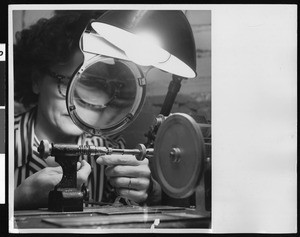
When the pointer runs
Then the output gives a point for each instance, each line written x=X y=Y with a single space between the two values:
x=178 y=177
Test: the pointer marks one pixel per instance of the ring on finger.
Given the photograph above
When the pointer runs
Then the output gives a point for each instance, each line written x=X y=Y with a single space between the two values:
x=129 y=184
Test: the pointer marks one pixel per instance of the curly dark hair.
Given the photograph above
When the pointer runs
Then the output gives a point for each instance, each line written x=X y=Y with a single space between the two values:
x=44 y=44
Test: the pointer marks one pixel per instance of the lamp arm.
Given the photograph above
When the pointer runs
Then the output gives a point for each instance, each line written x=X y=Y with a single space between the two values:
x=166 y=108
x=173 y=90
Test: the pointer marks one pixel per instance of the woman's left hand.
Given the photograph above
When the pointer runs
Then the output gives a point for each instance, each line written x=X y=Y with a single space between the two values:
x=130 y=177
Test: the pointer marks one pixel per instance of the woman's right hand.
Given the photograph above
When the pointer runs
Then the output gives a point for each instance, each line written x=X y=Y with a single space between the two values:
x=33 y=192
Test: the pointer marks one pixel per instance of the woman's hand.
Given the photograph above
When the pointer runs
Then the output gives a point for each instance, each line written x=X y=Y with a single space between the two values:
x=33 y=192
x=130 y=177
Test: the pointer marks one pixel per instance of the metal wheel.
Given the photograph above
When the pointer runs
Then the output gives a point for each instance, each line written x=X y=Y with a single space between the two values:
x=178 y=155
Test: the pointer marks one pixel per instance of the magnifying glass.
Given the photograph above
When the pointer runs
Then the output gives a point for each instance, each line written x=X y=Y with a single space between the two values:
x=106 y=95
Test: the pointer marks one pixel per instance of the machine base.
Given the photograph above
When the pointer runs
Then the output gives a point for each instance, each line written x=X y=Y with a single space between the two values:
x=65 y=200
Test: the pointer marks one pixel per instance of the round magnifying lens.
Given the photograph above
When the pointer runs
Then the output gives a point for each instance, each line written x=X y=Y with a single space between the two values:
x=106 y=95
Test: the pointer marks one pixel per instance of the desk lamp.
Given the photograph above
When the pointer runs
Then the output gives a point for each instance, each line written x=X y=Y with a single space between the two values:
x=153 y=38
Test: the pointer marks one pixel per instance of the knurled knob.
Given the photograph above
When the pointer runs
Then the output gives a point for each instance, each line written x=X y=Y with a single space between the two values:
x=44 y=149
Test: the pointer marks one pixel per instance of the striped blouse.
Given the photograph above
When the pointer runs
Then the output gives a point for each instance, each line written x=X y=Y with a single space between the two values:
x=27 y=160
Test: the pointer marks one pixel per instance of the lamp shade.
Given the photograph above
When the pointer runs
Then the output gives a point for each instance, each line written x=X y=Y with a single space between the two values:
x=163 y=38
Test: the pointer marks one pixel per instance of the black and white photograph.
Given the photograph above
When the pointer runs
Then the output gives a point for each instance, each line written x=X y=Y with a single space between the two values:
x=152 y=118
x=112 y=112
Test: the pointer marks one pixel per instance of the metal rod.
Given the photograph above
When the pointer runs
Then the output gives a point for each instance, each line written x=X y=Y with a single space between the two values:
x=46 y=149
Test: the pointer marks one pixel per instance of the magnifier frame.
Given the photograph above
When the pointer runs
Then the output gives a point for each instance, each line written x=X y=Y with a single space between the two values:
x=140 y=81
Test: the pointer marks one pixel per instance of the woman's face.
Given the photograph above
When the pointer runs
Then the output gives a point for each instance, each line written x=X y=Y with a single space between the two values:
x=52 y=109
x=88 y=96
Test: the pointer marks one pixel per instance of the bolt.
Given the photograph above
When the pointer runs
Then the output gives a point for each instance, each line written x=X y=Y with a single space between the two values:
x=175 y=155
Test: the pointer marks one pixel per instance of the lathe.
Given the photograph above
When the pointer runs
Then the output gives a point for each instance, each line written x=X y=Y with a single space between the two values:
x=180 y=162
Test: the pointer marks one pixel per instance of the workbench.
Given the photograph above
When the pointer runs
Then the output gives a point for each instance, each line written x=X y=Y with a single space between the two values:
x=108 y=217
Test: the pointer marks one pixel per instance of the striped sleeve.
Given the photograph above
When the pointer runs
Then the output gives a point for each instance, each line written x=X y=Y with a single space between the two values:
x=23 y=126
x=21 y=144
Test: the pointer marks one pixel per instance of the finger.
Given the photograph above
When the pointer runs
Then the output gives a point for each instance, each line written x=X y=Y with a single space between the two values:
x=120 y=160
x=134 y=195
x=84 y=172
x=46 y=178
x=130 y=183
x=57 y=169
x=84 y=167
x=128 y=171
x=78 y=165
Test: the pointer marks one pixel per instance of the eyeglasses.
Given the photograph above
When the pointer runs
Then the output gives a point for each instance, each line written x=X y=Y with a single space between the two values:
x=62 y=84
x=96 y=92
x=112 y=89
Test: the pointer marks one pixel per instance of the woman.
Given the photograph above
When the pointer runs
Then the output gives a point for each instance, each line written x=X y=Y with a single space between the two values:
x=45 y=57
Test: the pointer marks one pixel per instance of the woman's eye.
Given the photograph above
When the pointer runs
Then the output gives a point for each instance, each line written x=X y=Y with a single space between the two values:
x=65 y=81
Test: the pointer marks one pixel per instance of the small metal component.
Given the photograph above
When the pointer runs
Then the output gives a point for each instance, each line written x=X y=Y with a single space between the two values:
x=142 y=81
x=72 y=107
x=86 y=192
x=151 y=134
x=143 y=151
x=44 y=149
x=175 y=155
x=159 y=120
